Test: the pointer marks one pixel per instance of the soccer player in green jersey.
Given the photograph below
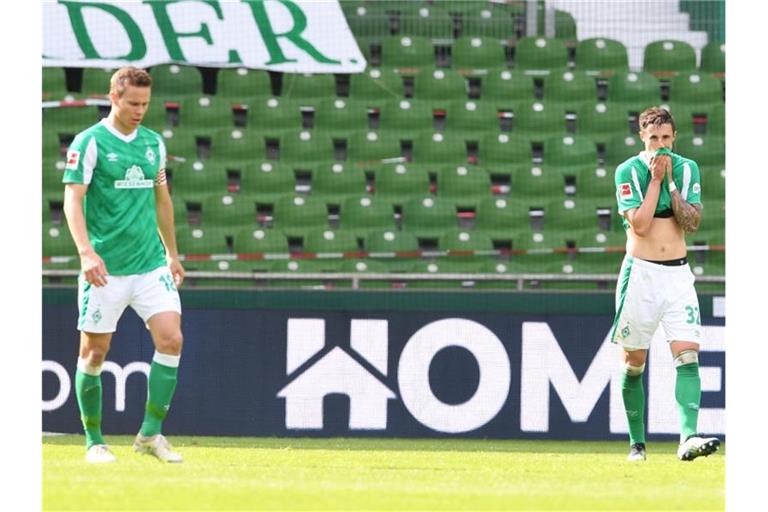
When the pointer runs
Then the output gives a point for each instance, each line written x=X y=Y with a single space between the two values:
x=659 y=196
x=119 y=212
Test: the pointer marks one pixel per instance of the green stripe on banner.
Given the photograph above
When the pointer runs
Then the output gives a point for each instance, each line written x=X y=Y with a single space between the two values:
x=84 y=305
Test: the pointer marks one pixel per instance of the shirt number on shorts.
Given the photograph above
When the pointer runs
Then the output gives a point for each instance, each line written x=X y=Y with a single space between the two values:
x=167 y=280
x=693 y=315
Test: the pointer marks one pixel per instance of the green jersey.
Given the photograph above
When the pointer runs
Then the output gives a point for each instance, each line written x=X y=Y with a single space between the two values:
x=633 y=177
x=121 y=172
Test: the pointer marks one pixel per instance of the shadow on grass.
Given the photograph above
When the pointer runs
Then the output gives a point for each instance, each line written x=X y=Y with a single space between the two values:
x=374 y=444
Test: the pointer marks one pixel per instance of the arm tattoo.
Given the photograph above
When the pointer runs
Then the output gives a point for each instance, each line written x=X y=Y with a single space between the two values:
x=688 y=216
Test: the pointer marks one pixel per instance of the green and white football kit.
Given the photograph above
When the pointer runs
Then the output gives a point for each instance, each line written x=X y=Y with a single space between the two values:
x=649 y=293
x=121 y=172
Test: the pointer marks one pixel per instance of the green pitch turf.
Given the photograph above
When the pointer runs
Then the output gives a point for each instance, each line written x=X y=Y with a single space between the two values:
x=353 y=474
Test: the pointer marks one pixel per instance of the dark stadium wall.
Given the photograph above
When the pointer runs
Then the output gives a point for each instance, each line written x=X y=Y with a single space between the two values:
x=378 y=369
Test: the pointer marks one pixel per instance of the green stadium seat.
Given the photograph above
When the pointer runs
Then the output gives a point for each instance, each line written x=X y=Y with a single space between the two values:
x=501 y=269
x=716 y=120
x=422 y=19
x=330 y=241
x=443 y=266
x=634 y=91
x=173 y=81
x=437 y=148
x=536 y=121
x=229 y=212
x=706 y=151
x=53 y=173
x=396 y=183
x=595 y=182
x=712 y=184
x=570 y=152
x=565 y=27
x=51 y=143
x=428 y=217
x=195 y=181
x=712 y=228
x=438 y=87
x=540 y=262
x=366 y=18
x=507 y=89
x=274 y=116
x=459 y=240
x=477 y=56
x=472 y=119
x=267 y=181
x=540 y=56
x=339 y=118
x=536 y=183
x=183 y=144
x=305 y=86
x=363 y=267
x=621 y=147
x=487 y=19
x=383 y=244
x=407 y=52
x=306 y=150
x=375 y=85
x=205 y=114
x=54 y=87
x=200 y=240
x=502 y=219
x=695 y=88
x=259 y=240
x=684 y=117
x=334 y=183
x=243 y=85
x=569 y=90
x=370 y=149
x=502 y=153
x=463 y=185
x=668 y=57
x=713 y=59
x=406 y=117
x=363 y=214
x=70 y=119
x=602 y=121
x=297 y=215
x=96 y=82
x=298 y=267
x=157 y=116
x=238 y=146
x=57 y=241
x=600 y=56
x=574 y=216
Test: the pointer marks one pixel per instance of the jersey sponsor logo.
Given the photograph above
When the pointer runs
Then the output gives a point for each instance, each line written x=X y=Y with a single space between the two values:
x=134 y=178
x=73 y=158
x=112 y=157
x=696 y=188
x=150 y=155
x=625 y=191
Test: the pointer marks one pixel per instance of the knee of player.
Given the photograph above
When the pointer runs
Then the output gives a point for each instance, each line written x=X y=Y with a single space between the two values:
x=686 y=357
x=170 y=343
x=633 y=371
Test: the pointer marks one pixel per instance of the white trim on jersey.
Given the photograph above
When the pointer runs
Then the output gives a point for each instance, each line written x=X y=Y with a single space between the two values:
x=89 y=160
x=686 y=180
x=637 y=183
x=163 y=152
x=114 y=131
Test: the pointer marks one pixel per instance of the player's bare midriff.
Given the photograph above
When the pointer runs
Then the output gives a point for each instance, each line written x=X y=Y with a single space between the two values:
x=665 y=241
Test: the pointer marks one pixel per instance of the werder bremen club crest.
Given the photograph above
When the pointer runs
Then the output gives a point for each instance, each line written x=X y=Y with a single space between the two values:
x=134 y=178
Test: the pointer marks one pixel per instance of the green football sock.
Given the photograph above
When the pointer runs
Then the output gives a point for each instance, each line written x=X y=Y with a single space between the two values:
x=160 y=388
x=633 y=393
x=88 y=392
x=688 y=396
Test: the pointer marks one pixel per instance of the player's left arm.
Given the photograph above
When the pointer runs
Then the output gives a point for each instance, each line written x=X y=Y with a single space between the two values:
x=167 y=228
x=687 y=214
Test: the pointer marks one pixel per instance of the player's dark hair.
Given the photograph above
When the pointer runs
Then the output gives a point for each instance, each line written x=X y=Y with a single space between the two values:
x=656 y=116
x=126 y=76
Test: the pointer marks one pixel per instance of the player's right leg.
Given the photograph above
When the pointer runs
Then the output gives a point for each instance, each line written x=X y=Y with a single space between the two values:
x=93 y=351
x=99 y=310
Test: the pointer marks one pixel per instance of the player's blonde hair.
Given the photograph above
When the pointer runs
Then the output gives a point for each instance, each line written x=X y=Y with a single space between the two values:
x=656 y=116
x=126 y=76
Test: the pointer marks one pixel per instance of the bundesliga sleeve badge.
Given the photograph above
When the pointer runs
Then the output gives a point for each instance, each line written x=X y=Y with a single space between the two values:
x=625 y=191
x=73 y=158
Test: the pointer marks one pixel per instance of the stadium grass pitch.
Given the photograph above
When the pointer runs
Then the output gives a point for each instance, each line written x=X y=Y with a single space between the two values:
x=231 y=473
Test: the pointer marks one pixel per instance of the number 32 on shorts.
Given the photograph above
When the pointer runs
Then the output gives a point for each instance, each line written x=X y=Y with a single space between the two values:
x=167 y=280
x=693 y=315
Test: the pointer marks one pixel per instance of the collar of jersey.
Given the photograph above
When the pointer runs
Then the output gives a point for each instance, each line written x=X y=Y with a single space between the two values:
x=114 y=131
x=645 y=157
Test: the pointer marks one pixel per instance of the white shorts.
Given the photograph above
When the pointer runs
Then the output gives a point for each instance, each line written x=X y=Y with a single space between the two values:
x=648 y=294
x=148 y=294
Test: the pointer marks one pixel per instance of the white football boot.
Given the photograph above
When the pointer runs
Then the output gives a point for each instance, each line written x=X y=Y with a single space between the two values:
x=696 y=446
x=99 y=454
x=158 y=446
